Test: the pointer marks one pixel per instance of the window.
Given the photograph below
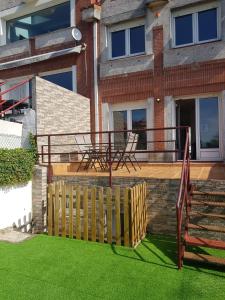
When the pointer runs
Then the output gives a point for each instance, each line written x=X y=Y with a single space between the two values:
x=197 y=27
x=127 y=42
x=135 y=119
x=40 y=22
x=64 y=79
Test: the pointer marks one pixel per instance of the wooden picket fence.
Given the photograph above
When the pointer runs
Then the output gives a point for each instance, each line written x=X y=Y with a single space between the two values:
x=98 y=214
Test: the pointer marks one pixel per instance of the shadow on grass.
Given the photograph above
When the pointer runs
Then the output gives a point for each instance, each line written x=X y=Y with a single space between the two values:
x=168 y=252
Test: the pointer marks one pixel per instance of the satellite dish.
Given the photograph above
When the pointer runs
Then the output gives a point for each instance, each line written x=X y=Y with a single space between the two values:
x=76 y=34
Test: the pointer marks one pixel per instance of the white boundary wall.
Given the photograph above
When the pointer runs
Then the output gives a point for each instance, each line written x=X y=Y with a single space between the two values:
x=15 y=205
x=10 y=135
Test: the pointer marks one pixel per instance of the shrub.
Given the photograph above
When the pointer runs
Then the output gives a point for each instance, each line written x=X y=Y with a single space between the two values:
x=16 y=166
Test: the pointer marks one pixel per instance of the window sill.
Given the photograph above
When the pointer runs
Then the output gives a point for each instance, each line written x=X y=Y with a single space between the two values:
x=128 y=57
x=195 y=44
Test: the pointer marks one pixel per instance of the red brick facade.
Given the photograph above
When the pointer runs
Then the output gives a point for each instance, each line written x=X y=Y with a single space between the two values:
x=203 y=77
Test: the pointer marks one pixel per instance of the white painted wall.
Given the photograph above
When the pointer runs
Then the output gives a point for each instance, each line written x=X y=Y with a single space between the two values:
x=10 y=128
x=15 y=204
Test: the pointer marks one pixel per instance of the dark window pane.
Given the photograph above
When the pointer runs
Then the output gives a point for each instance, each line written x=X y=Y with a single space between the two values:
x=209 y=123
x=207 y=24
x=40 y=22
x=118 y=43
x=139 y=122
x=184 y=30
x=137 y=40
x=63 y=79
x=120 y=123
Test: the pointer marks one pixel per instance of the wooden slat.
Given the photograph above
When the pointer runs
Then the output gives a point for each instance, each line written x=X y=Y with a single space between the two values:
x=109 y=215
x=78 y=226
x=85 y=213
x=63 y=206
x=135 y=215
x=101 y=215
x=50 y=209
x=118 y=222
x=126 y=218
x=138 y=213
x=132 y=219
x=93 y=214
x=70 y=211
x=56 y=210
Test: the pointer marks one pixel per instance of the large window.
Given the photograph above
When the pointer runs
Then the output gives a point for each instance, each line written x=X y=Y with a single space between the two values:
x=40 y=22
x=198 y=27
x=127 y=42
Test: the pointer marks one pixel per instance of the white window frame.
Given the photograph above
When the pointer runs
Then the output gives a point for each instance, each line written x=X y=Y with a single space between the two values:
x=126 y=27
x=25 y=9
x=194 y=12
x=73 y=69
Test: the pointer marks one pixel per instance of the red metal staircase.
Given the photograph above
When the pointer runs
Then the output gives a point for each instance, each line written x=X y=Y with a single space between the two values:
x=200 y=219
x=4 y=108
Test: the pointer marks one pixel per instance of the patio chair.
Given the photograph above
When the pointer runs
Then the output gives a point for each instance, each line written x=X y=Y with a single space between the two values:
x=83 y=150
x=128 y=154
x=90 y=154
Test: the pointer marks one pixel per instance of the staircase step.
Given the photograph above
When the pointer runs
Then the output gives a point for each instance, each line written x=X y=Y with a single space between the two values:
x=202 y=242
x=207 y=227
x=208 y=203
x=208 y=193
x=204 y=258
x=201 y=214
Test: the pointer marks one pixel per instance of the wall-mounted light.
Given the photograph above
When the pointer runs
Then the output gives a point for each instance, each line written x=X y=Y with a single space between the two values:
x=158 y=100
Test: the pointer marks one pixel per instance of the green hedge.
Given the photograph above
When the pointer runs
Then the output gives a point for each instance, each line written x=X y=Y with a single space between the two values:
x=16 y=165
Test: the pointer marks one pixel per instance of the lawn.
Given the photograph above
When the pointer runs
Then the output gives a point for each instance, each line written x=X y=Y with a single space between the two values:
x=57 y=268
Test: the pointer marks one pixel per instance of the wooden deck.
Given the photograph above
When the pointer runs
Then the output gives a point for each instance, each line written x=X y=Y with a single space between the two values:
x=199 y=171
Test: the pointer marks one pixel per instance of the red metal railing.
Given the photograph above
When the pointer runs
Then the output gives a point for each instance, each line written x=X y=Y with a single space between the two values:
x=48 y=145
x=183 y=201
x=2 y=102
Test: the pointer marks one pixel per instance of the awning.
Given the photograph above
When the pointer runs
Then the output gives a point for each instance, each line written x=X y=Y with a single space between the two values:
x=41 y=57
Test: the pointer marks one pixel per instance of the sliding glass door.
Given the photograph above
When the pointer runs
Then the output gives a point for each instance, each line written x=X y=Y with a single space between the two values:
x=208 y=133
x=130 y=119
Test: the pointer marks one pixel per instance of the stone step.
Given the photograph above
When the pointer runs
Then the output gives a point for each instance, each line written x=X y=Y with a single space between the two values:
x=204 y=258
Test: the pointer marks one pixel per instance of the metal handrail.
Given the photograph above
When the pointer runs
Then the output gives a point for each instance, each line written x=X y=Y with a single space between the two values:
x=183 y=198
x=111 y=150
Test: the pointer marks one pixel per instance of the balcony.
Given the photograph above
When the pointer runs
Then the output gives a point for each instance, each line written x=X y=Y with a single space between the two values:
x=45 y=43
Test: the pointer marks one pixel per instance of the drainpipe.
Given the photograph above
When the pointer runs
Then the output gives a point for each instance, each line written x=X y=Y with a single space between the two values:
x=96 y=91
x=93 y=14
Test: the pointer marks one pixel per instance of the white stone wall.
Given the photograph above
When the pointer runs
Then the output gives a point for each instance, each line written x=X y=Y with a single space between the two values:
x=15 y=205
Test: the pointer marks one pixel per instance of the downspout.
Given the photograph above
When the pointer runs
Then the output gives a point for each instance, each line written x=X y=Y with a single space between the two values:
x=96 y=91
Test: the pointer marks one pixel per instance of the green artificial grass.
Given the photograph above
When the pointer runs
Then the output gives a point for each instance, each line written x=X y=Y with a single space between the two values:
x=58 y=268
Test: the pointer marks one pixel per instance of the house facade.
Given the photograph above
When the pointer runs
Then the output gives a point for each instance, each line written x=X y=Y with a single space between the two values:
x=162 y=65
x=143 y=64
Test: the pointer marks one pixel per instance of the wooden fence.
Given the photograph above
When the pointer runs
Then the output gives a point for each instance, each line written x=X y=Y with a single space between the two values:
x=98 y=214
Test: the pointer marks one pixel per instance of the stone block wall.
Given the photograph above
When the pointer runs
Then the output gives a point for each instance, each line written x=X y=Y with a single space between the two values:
x=39 y=199
x=59 y=110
